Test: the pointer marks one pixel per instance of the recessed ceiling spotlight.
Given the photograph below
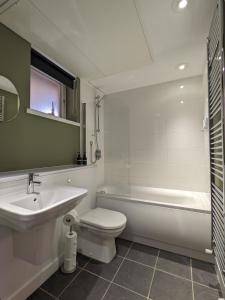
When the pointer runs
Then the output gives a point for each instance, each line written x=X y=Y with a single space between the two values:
x=182 y=4
x=181 y=101
x=181 y=67
x=181 y=86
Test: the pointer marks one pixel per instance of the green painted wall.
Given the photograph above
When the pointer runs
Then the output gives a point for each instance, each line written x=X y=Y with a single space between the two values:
x=30 y=141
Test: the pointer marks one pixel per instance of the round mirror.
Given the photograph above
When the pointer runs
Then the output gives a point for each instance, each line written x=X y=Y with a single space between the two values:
x=9 y=100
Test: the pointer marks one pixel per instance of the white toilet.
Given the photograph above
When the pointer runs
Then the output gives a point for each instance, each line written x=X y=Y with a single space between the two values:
x=98 y=229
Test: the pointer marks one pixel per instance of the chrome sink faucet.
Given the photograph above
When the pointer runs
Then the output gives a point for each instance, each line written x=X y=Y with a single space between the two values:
x=31 y=183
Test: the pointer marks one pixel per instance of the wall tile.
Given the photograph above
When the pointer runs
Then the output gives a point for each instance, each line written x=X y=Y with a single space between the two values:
x=152 y=139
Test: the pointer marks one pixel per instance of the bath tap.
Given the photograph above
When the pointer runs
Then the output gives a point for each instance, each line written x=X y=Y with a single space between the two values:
x=31 y=183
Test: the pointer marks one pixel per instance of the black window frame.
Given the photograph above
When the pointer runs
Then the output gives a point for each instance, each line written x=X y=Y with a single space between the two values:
x=43 y=64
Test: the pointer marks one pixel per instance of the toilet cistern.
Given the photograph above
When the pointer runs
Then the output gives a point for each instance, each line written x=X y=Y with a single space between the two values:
x=31 y=183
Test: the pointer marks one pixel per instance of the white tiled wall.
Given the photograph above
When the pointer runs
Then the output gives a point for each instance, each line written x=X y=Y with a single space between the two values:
x=88 y=94
x=151 y=139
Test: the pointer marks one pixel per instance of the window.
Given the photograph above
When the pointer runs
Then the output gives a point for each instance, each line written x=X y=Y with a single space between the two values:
x=46 y=94
x=54 y=93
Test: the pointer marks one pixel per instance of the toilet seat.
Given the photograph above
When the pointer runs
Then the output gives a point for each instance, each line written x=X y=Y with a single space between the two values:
x=103 y=219
x=104 y=232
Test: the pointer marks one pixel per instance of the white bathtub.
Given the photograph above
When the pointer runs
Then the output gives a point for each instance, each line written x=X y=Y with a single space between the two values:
x=174 y=220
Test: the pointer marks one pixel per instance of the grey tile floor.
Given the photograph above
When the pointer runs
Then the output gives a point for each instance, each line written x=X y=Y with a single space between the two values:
x=138 y=272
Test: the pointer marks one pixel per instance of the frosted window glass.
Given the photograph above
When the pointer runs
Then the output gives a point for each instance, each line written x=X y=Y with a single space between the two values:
x=44 y=93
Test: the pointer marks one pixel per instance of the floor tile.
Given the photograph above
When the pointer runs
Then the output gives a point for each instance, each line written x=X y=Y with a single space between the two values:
x=86 y=287
x=122 y=246
x=169 y=287
x=143 y=254
x=204 y=273
x=104 y=270
x=58 y=281
x=116 y=292
x=82 y=260
x=204 y=293
x=40 y=295
x=135 y=277
x=174 y=263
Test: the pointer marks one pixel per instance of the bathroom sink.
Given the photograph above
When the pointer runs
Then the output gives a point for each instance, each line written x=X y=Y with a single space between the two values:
x=25 y=211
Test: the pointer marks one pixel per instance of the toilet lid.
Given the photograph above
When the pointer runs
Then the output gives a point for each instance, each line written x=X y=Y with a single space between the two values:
x=104 y=218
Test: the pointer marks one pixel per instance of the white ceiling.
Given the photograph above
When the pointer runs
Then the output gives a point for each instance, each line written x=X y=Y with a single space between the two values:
x=116 y=44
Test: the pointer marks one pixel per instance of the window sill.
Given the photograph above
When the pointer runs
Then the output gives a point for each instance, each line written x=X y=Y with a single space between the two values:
x=58 y=119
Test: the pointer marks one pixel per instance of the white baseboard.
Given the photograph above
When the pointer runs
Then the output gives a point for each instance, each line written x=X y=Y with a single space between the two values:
x=171 y=248
x=36 y=281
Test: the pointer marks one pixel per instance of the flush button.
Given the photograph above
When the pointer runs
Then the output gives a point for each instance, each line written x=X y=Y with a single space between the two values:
x=69 y=180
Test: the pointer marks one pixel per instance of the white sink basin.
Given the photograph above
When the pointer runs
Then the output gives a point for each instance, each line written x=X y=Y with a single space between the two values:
x=25 y=211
